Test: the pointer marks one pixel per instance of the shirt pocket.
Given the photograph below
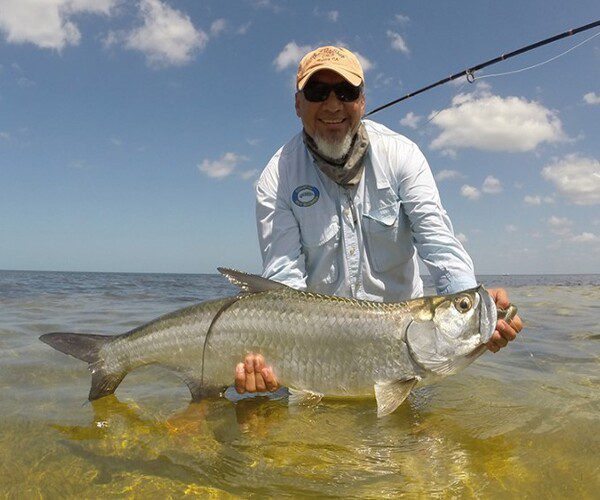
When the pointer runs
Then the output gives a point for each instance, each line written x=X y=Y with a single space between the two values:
x=320 y=237
x=388 y=236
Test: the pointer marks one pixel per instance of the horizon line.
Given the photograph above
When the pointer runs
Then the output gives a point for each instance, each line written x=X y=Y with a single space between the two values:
x=217 y=273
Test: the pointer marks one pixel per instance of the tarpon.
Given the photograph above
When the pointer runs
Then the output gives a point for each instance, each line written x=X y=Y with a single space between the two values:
x=318 y=345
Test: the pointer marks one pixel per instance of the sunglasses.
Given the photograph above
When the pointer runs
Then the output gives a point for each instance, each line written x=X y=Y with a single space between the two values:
x=319 y=91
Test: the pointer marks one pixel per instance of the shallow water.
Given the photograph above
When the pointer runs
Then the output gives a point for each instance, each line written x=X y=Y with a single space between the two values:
x=521 y=422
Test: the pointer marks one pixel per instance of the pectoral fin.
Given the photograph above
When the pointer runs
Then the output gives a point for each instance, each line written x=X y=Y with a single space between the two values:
x=304 y=397
x=391 y=394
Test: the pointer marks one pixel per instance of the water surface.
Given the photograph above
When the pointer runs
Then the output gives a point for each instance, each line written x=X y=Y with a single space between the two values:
x=521 y=422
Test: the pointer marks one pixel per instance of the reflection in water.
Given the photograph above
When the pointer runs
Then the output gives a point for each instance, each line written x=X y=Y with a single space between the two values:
x=522 y=422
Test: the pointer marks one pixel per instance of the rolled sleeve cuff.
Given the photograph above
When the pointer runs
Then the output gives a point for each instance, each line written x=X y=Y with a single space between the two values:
x=455 y=284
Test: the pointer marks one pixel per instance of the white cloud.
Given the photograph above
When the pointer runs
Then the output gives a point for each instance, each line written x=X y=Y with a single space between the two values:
x=364 y=62
x=381 y=80
x=592 y=98
x=398 y=42
x=560 y=225
x=491 y=185
x=167 y=36
x=248 y=174
x=470 y=192
x=511 y=228
x=401 y=19
x=25 y=82
x=576 y=178
x=223 y=167
x=462 y=237
x=5 y=136
x=537 y=199
x=450 y=153
x=533 y=200
x=411 y=120
x=333 y=15
x=243 y=29
x=489 y=122
x=47 y=24
x=585 y=238
x=266 y=4
x=290 y=55
x=446 y=174
x=217 y=27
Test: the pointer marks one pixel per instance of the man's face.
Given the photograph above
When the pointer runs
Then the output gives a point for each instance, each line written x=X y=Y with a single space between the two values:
x=331 y=120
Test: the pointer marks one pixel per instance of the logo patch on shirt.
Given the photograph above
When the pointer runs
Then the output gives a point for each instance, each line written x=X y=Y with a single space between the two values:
x=305 y=196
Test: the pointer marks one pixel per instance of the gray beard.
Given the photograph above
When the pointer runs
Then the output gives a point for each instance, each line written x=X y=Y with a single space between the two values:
x=334 y=150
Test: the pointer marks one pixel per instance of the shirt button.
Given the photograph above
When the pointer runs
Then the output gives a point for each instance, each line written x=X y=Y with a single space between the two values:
x=352 y=250
x=348 y=213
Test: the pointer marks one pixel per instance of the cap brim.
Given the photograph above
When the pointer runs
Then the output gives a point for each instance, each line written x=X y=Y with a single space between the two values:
x=352 y=78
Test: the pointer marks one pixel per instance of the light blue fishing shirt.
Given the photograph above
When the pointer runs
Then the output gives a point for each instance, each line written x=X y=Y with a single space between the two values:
x=360 y=242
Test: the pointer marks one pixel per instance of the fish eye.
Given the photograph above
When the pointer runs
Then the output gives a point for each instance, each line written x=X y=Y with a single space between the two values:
x=463 y=303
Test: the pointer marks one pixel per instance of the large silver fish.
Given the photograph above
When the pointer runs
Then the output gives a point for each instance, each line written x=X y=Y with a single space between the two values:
x=318 y=345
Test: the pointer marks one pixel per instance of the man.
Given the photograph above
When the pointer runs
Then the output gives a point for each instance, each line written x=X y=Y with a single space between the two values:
x=346 y=206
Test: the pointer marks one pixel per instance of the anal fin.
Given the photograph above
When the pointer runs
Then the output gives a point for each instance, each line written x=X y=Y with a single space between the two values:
x=304 y=397
x=198 y=390
x=391 y=394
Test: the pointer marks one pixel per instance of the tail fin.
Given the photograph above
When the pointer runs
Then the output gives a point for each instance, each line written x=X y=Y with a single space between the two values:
x=87 y=347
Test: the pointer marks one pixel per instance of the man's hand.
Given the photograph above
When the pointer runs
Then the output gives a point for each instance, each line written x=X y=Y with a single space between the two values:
x=505 y=332
x=254 y=376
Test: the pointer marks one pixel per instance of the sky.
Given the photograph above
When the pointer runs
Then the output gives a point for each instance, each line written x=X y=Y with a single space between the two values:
x=132 y=133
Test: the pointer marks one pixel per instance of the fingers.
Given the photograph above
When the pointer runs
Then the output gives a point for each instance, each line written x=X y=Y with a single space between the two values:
x=240 y=378
x=254 y=376
x=270 y=379
x=259 y=364
x=516 y=323
x=504 y=333
x=497 y=342
x=500 y=297
x=250 y=378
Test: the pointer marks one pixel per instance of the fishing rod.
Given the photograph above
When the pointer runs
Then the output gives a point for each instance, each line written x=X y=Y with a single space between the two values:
x=469 y=73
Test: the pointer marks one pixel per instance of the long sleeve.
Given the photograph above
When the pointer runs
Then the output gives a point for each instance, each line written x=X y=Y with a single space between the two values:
x=448 y=262
x=278 y=231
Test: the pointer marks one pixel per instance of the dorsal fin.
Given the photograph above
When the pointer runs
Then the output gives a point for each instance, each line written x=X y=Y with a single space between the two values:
x=251 y=282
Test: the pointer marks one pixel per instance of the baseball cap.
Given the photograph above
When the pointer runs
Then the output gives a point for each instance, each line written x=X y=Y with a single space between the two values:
x=337 y=59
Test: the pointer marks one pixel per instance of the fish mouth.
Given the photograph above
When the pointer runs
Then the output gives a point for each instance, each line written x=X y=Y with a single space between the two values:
x=488 y=315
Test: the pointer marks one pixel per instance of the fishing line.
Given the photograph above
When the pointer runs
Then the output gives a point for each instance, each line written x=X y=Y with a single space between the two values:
x=473 y=78
x=538 y=64
x=470 y=72
x=443 y=108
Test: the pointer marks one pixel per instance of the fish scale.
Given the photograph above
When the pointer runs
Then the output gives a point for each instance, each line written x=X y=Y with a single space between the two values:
x=308 y=351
